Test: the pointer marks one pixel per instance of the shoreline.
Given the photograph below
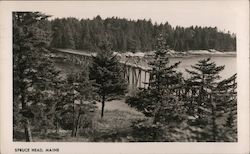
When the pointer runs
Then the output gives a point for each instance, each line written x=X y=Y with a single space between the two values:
x=174 y=54
x=200 y=55
x=190 y=53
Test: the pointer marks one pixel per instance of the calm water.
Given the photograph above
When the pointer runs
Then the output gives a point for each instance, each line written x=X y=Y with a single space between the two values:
x=229 y=62
x=186 y=62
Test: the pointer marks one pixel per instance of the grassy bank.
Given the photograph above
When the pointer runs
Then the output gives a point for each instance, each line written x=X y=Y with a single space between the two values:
x=114 y=127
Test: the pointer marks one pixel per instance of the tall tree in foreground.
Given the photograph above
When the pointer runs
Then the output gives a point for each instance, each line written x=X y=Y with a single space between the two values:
x=76 y=100
x=33 y=72
x=163 y=79
x=161 y=94
x=204 y=79
x=108 y=75
x=160 y=101
x=224 y=100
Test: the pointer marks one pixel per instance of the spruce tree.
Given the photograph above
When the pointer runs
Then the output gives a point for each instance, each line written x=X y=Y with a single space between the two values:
x=160 y=100
x=77 y=95
x=163 y=78
x=226 y=110
x=33 y=71
x=204 y=79
x=108 y=75
x=139 y=35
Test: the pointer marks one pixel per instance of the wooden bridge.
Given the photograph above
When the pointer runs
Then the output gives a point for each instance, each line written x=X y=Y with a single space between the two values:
x=136 y=70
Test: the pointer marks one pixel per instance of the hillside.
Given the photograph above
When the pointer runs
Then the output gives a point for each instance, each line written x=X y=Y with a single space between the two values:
x=132 y=36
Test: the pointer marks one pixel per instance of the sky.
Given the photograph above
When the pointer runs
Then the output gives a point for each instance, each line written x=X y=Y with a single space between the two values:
x=222 y=14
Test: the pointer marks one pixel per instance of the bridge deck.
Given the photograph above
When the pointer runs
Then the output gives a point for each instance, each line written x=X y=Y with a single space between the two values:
x=134 y=62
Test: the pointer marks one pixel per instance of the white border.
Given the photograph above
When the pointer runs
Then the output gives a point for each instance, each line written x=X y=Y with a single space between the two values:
x=8 y=146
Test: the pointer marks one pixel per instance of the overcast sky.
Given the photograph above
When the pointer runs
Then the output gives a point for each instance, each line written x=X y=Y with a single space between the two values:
x=222 y=14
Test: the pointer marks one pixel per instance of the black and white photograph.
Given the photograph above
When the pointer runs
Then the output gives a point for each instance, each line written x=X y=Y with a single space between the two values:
x=144 y=71
x=117 y=79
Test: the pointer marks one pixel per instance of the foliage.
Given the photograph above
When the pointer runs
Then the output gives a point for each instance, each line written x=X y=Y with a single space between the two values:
x=76 y=102
x=142 y=101
x=203 y=79
x=108 y=75
x=210 y=101
x=145 y=131
x=160 y=96
x=160 y=100
x=200 y=108
x=42 y=99
x=226 y=109
x=163 y=78
x=139 y=35
x=34 y=74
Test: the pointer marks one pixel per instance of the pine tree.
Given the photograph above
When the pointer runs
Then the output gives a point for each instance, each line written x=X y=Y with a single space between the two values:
x=203 y=78
x=33 y=71
x=163 y=77
x=225 y=114
x=78 y=93
x=108 y=75
x=221 y=112
x=160 y=100
x=203 y=81
x=139 y=35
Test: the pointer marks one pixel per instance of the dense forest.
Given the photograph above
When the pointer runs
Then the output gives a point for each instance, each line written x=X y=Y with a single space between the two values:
x=135 y=35
x=73 y=108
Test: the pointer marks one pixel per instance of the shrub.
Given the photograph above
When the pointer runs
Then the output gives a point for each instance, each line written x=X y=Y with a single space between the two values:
x=146 y=131
x=142 y=101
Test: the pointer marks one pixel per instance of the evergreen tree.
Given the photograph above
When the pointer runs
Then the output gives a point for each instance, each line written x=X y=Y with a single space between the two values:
x=163 y=77
x=57 y=29
x=139 y=35
x=160 y=100
x=108 y=75
x=204 y=79
x=77 y=96
x=34 y=74
x=225 y=110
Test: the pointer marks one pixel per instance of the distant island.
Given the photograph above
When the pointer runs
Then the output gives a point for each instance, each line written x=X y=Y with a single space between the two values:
x=127 y=35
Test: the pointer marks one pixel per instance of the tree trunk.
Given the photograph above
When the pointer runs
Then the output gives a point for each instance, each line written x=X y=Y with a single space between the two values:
x=77 y=124
x=103 y=104
x=214 y=127
x=77 y=116
x=199 y=103
x=74 y=122
x=73 y=133
x=45 y=123
x=156 y=111
x=57 y=127
x=27 y=131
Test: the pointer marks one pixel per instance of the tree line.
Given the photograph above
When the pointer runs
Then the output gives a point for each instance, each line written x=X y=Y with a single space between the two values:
x=200 y=108
x=135 y=35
